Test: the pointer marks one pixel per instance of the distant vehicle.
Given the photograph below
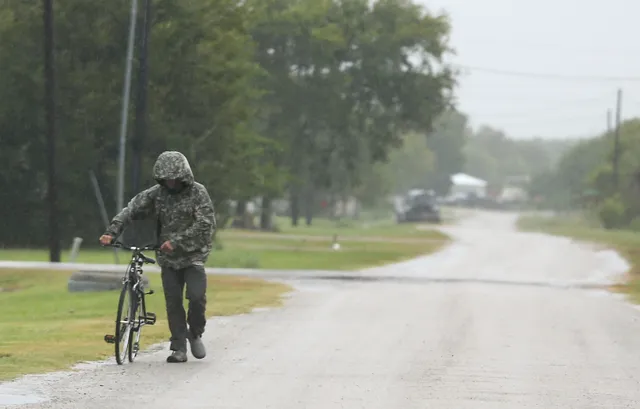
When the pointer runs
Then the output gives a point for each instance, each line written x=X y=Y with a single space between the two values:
x=417 y=206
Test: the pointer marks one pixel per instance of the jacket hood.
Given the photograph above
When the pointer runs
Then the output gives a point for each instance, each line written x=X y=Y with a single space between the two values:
x=173 y=165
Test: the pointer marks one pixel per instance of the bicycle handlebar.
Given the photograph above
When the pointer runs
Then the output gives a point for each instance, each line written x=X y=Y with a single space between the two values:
x=137 y=250
x=120 y=245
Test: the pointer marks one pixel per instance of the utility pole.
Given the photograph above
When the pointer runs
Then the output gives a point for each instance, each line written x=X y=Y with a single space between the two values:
x=141 y=103
x=50 y=104
x=616 y=143
x=125 y=106
x=608 y=121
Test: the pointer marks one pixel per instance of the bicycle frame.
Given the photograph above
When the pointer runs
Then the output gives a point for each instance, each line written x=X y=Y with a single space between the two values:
x=135 y=270
x=133 y=275
x=133 y=278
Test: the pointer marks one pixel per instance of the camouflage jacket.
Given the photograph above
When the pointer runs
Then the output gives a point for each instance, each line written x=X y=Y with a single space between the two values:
x=185 y=218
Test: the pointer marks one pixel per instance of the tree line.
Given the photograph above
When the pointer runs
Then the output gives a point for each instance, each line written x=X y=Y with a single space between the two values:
x=427 y=160
x=300 y=99
x=585 y=179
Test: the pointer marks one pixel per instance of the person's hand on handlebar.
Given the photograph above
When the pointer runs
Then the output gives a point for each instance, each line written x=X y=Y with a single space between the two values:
x=105 y=239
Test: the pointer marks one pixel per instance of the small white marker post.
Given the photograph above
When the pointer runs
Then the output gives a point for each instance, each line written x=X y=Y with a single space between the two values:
x=335 y=245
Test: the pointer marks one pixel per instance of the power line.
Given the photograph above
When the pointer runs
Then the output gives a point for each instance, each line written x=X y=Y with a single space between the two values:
x=530 y=103
x=536 y=119
x=553 y=107
x=544 y=100
x=498 y=71
x=550 y=113
x=479 y=42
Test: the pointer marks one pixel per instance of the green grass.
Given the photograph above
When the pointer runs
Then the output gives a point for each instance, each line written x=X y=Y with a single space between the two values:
x=295 y=248
x=43 y=327
x=627 y=243
x=350 y=228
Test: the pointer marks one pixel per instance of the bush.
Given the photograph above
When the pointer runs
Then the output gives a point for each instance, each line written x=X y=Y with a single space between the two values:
x=612 y=213
x=635 y=224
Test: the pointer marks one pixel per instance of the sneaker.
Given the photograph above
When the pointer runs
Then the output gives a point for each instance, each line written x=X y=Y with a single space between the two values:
x=197 y=347
x=177 y=357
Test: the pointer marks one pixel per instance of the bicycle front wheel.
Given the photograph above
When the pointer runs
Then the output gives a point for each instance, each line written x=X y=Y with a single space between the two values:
x=124 y=323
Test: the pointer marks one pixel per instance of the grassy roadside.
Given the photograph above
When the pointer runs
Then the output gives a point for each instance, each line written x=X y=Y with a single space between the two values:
x=362 y=245
x=386 y=227
x=626 y=243
x=45 y=328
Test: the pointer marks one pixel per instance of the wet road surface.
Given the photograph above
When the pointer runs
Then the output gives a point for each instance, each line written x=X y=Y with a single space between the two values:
x=499 y=319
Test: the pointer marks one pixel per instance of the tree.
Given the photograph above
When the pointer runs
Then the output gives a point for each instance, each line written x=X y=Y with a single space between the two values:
x=265 y=98
x=494 y=156
x=584 y=175
x=412 y=165
x=201 y=102
x=447 y=142
x=346 y=80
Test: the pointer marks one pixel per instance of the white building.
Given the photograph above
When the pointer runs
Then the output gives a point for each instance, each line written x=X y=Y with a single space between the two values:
x=462 y=185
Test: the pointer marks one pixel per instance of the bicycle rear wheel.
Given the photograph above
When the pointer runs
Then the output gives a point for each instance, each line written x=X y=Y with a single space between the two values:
x=124 y=323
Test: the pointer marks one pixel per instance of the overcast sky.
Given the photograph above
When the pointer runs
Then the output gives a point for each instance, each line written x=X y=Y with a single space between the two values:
x=560 y=37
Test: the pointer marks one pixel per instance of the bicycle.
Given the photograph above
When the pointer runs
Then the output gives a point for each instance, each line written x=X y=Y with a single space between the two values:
x=132 y=297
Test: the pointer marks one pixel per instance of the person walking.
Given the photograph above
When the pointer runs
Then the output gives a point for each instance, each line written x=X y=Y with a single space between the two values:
x=186 y=225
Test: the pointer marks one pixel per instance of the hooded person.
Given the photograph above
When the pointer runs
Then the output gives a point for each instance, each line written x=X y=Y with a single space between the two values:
x=186 y=224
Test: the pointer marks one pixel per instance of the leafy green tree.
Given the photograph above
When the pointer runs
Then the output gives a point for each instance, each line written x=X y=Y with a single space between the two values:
x=346 y=80
x=585 y=175
x=201 y=95
x=447 y=142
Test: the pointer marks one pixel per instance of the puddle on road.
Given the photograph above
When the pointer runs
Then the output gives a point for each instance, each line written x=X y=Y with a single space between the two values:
x=613 y=266
x=16 y=397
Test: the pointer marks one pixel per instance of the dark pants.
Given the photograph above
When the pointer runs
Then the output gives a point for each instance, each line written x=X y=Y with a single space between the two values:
x=174 y=282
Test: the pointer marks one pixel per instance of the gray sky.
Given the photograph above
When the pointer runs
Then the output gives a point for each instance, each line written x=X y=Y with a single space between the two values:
x=560 y=37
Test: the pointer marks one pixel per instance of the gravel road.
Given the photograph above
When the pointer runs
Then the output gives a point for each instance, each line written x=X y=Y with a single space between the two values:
x=497 y=320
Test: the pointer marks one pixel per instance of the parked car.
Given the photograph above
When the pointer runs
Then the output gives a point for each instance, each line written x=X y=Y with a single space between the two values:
x=417 y=206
